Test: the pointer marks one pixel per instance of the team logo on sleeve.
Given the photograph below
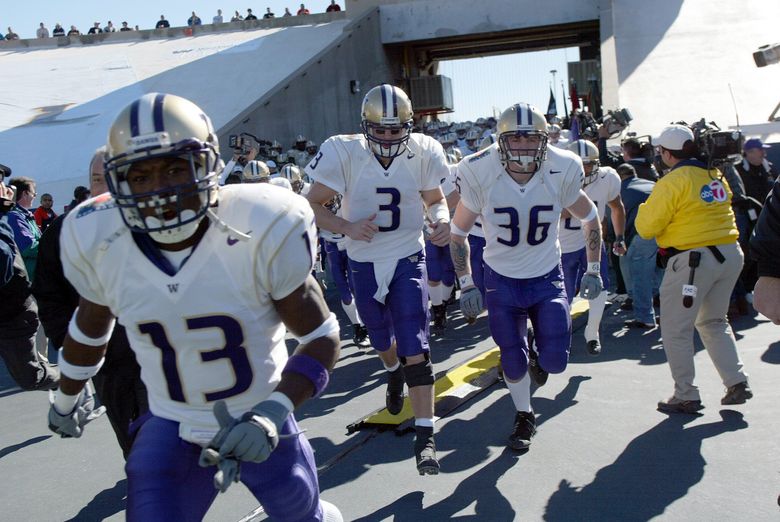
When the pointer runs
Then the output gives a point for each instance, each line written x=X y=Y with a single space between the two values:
x=714 y=191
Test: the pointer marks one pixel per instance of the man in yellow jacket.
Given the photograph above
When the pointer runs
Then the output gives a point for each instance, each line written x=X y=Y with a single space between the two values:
x=689 y=214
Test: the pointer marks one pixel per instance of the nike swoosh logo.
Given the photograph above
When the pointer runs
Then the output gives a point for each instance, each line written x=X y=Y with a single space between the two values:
x=490 y=290
x=555 y=172
x=232 y=241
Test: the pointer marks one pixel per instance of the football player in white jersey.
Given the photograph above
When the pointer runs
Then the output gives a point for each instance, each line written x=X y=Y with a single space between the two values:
x=384 y=174
x=519 y=187
x=602 y=185
x=205 y=279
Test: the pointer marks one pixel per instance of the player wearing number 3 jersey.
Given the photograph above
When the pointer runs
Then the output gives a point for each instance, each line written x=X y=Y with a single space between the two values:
x=386 y=174
x=519 y=186
x=205 y=279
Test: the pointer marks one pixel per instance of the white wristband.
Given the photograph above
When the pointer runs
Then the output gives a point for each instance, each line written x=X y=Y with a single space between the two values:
x=457 y=231
x=328 y=327
x=80 y=337
x=439 y=212
x=75 y=372
x=594 y=213
x=594 y=268
x=466 y=281
x=64 y=403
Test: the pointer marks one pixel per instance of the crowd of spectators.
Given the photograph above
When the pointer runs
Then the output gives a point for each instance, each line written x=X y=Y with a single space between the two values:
x=162 y=23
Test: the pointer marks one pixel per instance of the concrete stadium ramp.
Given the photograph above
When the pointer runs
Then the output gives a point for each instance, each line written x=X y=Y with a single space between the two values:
x=59 y=102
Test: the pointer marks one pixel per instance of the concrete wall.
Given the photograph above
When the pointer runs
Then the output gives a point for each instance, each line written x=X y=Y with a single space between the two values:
x=316 y=99
x=675 y=60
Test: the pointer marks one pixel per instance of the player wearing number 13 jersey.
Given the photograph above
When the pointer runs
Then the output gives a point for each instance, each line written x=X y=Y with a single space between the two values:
x=205 y=279
x=519 y=186
x=385 y=175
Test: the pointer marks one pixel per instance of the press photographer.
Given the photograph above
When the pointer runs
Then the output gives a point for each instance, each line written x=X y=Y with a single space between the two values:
x=246 y=147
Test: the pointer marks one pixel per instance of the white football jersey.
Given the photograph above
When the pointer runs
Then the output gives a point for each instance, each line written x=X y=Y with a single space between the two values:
x=346 y=164
x=604 y=189
x=520 y=222
x=209 y=331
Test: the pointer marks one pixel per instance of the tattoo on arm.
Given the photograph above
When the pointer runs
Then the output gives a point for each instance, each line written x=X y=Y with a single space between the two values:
x=460 y=256
x=594 y=240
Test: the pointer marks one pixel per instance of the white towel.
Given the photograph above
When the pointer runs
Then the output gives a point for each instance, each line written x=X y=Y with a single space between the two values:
x=383 y=273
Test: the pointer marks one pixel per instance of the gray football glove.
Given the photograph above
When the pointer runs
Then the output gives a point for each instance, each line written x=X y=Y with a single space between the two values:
x=228 y=468
x=471 y=303
x=591 y=285
x=72 y=424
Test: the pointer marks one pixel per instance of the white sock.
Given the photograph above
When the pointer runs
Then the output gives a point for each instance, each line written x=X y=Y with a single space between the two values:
x=330 y=513
x=521 y=393
x=435 y=293
x=595 y=312
x=392 y=368
x=424 y=423
x=351 y=311
x=446 y=291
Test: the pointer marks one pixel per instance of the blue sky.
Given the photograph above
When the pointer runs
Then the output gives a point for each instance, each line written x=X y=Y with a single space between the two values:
x=481 y=86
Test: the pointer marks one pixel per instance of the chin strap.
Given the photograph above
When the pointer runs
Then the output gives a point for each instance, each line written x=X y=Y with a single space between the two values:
x=224 y=227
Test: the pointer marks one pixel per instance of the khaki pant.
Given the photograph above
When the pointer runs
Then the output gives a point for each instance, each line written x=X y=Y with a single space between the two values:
x=714 y=282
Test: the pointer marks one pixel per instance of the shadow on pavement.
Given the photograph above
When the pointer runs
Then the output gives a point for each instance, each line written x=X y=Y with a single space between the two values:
x=656 y=468
x=772 y=354
x=10 y=449
x=107 y=503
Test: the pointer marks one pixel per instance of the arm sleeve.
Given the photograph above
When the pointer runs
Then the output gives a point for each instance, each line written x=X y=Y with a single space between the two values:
x=77 y=264
x=287 y=254
x=469 y=192
x=765 y=240
x=56 y=297
x=655 y=214
x=7 y=253
x=327 y=168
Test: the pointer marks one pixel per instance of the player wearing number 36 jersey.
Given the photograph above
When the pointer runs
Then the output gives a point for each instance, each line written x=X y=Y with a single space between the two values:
x=519 y=186
x=205 y=279
x=385 y=175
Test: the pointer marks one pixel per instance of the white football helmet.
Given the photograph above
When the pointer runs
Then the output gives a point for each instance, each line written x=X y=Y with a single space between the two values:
x=590 y=159
x=387 y=120
x=487 y=141
x=292 y=173
x=522 y=120
x=154 y=126
x=255 y=172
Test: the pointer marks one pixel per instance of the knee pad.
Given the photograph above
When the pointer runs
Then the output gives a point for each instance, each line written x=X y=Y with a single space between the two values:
x=420 y=374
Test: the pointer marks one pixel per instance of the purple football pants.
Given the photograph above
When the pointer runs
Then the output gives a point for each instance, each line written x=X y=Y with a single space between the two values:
x=166 y=483
x=438 y=262
x=510 y=302
x=404 y=316
x=338 y=264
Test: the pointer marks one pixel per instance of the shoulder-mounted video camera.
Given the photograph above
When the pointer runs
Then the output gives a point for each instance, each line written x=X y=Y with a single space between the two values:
x=616 y=121
x=716 y=146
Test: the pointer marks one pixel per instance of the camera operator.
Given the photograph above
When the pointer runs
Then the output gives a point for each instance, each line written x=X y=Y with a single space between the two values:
x=18 y=311
x=689 y=213
x=639 y=155
x=607 y=158
x=764 y=245
x=245 y=149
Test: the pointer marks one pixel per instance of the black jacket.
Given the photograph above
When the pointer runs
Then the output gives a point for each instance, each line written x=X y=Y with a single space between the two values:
x=15 y=295
x=765 y=241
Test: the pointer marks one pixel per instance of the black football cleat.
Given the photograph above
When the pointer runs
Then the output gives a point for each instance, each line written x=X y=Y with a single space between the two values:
x=523 y=431
x=425 y=451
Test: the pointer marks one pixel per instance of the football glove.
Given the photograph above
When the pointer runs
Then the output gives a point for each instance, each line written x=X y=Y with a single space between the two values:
x=471 y=303
x=72 y=424
x=591 y=285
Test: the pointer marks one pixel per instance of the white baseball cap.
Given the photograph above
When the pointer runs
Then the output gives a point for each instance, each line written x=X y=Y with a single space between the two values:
x=674 y=137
